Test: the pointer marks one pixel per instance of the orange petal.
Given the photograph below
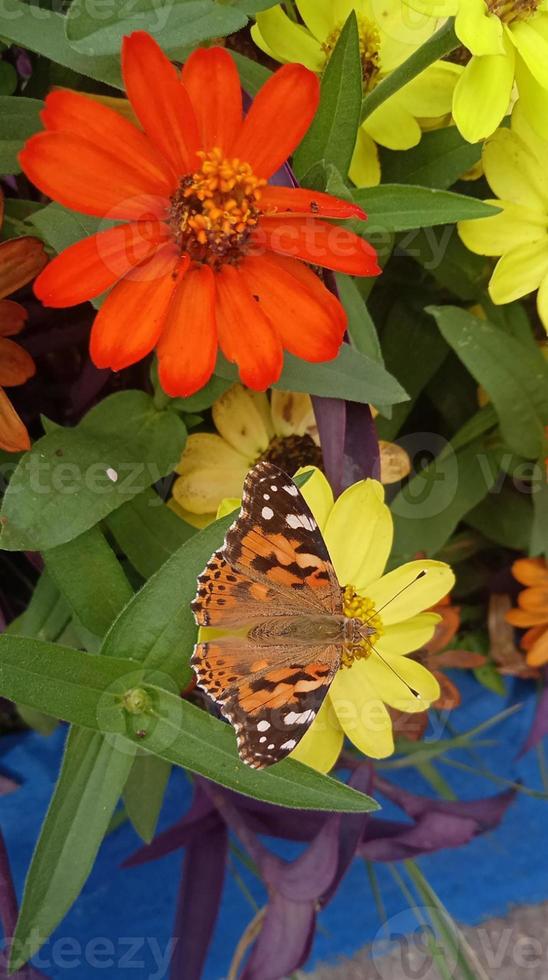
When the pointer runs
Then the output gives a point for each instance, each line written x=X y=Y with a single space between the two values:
x=20 y=260
x=13 y=317
x=213 y=84
x=537 y=655
x=84 y=176
x=308 y=319
x=90 y=266
x=16 y=366
x=319 y=243
x=278 y=119
x=187 y=349
x=83 y=116
x=523 y=618
x=246 y=336
x=530 y=571
x=531 y=636
x=160 y=102
x=131 y=319
x=534 y=600
x=299 y=201
x=14 y=437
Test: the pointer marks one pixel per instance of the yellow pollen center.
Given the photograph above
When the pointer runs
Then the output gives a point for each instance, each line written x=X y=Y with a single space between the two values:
x=360 y=607
x=215 y=209
x=370 y=45
x=509 y=11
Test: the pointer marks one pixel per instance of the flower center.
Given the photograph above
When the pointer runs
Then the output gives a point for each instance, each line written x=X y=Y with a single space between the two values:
x=357 y=607
x=370 y=44
x=292 y=452
x=215 y=209
x=509 y=11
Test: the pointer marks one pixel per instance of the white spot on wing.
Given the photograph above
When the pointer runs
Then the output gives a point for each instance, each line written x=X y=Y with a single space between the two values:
x=263 y=726
x=273 y=487
x=267 y=513
x=290 y=744
x=301 y=520
x=290 y=488
x=262 y=739
x=266 y=496
x=299 y=717
x=271 y=746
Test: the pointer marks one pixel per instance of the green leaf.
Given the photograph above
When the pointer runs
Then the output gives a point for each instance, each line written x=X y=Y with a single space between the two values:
x=427 y=510
x=148 y=532
x=398 y=207
x=190 y=21
x=72 y=478
x=60 y=227
x=91 y=579
x=440 y=159
x=97 y=693
x=252 y=74
x=539 y=531
x=332 y=135
x=514 y=375
x=361 y=328
x=443 y=256
x=202 y=399
x=144 y=793
x=16 y=213
x=350 y=375
x=76 y=822
x=505 y=518
x=19 y=119
x=408 y=329
x=46 y=615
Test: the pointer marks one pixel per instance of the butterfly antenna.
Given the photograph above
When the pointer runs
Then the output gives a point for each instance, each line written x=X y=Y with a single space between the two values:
x=387 y=603
x=398 y=675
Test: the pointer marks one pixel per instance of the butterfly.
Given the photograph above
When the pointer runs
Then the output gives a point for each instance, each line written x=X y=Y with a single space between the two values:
x=273 y=587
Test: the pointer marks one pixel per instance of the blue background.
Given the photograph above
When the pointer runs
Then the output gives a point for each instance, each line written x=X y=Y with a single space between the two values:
x=484 y=878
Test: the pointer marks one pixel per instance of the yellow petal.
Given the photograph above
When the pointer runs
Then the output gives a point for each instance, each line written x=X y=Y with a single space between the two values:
x=365 y=169
x=259 y=40
x=318 y=495
x=514 y=225
x=359 y=534
x=531 y=40
x=482 y=95
x=532 y=104
x=430 y=94
x=321 y=746
x=396 y=679
x=542 y=302
x=239 y=420
x=480 y=31
x=288 y=40
x=402 y=30
x=519 y=272
x=513 y=172
x=362 y=714
x=395 y=462
x=292 y=414
x=227 y=506
x=391 y=125
x=210 y=470
x=420 y=593
x=319 y=17
x=436 y=8
x=400 y=639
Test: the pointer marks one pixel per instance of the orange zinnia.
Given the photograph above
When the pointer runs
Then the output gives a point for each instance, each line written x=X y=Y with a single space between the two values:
x=532 y=611
x=210 y=254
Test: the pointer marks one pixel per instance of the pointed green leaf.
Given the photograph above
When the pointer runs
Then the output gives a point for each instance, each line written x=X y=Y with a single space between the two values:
x=398 y=207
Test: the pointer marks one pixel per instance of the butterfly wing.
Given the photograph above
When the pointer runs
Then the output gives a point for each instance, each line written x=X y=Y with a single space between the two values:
x=269 y=693
x=276 y=541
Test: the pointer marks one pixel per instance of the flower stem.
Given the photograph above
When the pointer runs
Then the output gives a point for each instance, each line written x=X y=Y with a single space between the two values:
x=441 y=43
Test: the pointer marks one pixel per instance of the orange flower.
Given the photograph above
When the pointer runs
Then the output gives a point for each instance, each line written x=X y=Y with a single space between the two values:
x=210 y=254
x=532 y=609
x=20 y=260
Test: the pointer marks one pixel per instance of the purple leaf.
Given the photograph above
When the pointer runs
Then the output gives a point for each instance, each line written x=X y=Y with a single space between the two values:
x=361 y=447
x=201 y=818
x=539 y=728
x=202 y=881
x=330 y=416
x=8 y=919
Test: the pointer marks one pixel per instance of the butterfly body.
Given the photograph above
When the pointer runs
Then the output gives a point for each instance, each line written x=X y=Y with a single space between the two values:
x=273 y=591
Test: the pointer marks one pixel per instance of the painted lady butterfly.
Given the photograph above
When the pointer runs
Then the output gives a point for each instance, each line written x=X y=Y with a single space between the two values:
x=273 y=587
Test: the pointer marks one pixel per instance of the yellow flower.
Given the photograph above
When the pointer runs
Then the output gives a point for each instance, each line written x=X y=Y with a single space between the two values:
x=514 y=161
x=250 y=427
x=508 y=40
x=389 y=33
x=358 y=530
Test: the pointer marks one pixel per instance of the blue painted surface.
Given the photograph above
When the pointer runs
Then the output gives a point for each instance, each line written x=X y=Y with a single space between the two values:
x=120 y=925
